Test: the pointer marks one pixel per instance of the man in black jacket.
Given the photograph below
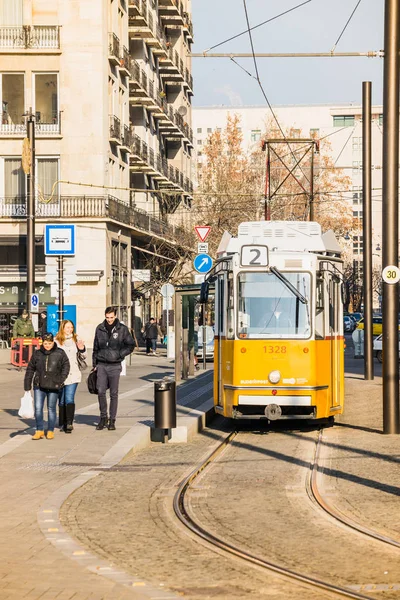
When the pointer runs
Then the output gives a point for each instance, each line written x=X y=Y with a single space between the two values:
x=112 y=343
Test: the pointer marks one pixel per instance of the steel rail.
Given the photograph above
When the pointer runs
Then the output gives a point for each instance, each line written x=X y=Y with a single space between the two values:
x=315 y=494
x=198 y=530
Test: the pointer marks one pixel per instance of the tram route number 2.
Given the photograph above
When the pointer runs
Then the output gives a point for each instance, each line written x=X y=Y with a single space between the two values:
x=274 y=349
x=254 y=256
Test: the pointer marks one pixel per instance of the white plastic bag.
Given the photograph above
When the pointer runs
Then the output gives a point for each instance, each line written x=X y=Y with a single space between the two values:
x=26 y=409
x=123 y=368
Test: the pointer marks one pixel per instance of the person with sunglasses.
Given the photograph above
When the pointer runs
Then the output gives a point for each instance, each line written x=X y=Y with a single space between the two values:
x=48 y=369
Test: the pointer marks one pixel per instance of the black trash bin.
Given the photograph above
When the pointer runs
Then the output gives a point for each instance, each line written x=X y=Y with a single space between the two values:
x=165 y=404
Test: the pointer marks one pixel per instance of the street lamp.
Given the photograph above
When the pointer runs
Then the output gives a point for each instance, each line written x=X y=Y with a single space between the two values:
x=28 y=165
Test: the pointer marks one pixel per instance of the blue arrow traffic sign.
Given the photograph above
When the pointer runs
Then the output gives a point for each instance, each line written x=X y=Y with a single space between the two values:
x=203 y=263
x=34 y=303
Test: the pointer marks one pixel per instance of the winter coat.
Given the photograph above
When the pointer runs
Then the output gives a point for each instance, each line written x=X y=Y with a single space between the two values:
x=48 y=369
x=112 y=348
x=70 y=349
x=23 y=328
x=151 y=331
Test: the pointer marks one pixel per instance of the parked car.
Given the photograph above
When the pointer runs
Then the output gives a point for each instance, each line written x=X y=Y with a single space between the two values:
x=376 y=325
x=348 y=324
x=209 y=343
x=356 y=315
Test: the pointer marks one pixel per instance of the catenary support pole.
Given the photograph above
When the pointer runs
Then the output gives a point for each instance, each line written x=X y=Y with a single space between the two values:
x=390 y=182
x=30 y=213
x=367 y=231
x=312 y=184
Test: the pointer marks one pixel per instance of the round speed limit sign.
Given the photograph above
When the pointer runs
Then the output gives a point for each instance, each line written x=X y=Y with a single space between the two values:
x=391 y=274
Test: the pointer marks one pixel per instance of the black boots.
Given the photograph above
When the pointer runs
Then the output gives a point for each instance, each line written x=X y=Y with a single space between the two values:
x=102 y=424
x=61 y=417
x=69 y=412
x=111 y=425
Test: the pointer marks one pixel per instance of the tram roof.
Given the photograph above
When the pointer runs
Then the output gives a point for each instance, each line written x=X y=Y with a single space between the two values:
x=284 y=236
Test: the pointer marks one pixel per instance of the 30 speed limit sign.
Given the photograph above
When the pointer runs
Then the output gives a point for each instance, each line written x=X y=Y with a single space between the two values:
x=391 y=274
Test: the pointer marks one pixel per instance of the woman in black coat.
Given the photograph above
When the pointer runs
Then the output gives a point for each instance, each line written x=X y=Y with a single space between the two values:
x=48 y=369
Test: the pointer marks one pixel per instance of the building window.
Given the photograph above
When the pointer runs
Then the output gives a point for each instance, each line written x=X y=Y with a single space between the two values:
x=314 y=133
x=380 y=119
x=14 y=180
x=12 y=98
x=11 y=12
x=47 y=180
x=357 y=166
x=209 y=130
x=46 y=97
x=343 y=121
x=255 y=135
x=357 y=144
x=199 y=142
x=119 y=277
x=199 y=130
x=357 y=195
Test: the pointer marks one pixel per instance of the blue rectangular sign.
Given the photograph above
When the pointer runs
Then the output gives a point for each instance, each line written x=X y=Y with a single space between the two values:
x=59 y=240
x=52 y=316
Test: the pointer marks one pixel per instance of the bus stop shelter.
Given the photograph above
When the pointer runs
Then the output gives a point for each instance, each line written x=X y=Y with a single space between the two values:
x=188 y=313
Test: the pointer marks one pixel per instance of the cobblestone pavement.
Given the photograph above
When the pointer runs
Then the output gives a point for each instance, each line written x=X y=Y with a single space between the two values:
x=126 y=516
x=32 y=473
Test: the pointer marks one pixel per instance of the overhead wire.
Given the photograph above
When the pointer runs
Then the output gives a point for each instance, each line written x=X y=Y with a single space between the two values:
x=345 y=27
x=262 y=88
x=257 y=26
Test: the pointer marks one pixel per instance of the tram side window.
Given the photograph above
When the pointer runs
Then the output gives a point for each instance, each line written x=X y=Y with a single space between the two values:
x=319 y=310
x=230 y=334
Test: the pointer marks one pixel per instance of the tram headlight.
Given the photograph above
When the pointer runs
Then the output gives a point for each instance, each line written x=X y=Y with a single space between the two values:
x=274 y=377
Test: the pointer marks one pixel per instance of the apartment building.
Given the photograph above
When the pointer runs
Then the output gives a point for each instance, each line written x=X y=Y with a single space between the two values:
x=340 y=125
x=109 y=85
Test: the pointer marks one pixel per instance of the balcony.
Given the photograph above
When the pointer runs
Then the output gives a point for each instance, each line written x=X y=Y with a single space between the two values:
x=115 y=130
x=188 y=83
x=37 y=37
x=45 y=126
x=125 y=62
x=171 y=67
x=92 y=207
x=113 y=49
x=171 y=12
x=126 y=139
x=187 y=27
x=142 y=91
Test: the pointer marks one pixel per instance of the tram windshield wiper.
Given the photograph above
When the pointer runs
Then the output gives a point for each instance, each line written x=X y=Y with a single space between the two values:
x=289 y=285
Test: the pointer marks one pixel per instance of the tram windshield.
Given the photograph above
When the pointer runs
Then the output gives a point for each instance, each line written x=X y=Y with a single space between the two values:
x=268 y=308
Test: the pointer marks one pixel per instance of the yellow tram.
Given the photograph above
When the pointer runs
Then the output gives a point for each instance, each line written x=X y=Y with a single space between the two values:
x=279 y=345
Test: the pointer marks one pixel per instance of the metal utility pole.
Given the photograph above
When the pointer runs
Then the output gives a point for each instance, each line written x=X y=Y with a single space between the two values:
x=300 y=152
x=390 y=215
x=30 y=212
x=367 y=232
x=60 y=279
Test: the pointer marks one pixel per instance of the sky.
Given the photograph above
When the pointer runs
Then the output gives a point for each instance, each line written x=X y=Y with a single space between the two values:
x=314 y=27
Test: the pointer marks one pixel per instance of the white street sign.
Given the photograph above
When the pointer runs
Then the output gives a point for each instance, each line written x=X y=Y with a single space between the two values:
x=140 y=274
x=167 y=290
x=59 y=240
x=53 y=260
x=202 y=248
x=68 y=270
x=69 y=278
x=54 y=290
x=391 y=274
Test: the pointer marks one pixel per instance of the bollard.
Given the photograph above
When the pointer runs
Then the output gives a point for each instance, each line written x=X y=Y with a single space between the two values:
x=165 y=405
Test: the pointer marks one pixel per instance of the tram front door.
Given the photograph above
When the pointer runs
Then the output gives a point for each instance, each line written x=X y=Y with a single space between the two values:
x=335 y=341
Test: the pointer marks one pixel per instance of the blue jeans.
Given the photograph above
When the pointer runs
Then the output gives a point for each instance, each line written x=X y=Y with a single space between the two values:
x=67 y=394
x=151 y=344
x=39 y=397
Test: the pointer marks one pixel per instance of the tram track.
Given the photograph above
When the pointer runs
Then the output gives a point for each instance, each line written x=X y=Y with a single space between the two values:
x=235 y=550
x=315 y=495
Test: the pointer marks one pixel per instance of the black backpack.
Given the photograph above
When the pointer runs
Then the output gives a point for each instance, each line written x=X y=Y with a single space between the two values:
x=92 y=382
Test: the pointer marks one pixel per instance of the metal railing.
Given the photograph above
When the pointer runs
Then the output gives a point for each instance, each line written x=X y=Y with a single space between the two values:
x=113 y=45
x=36 y=37
x=125 y=61
x=98 y=207
x=44 y=125
x=115 y=128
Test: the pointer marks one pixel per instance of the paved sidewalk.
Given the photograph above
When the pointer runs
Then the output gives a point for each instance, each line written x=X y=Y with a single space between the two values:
x=37 y=558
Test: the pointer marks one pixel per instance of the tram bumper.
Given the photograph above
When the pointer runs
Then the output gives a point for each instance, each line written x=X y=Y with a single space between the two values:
x=274 y=408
